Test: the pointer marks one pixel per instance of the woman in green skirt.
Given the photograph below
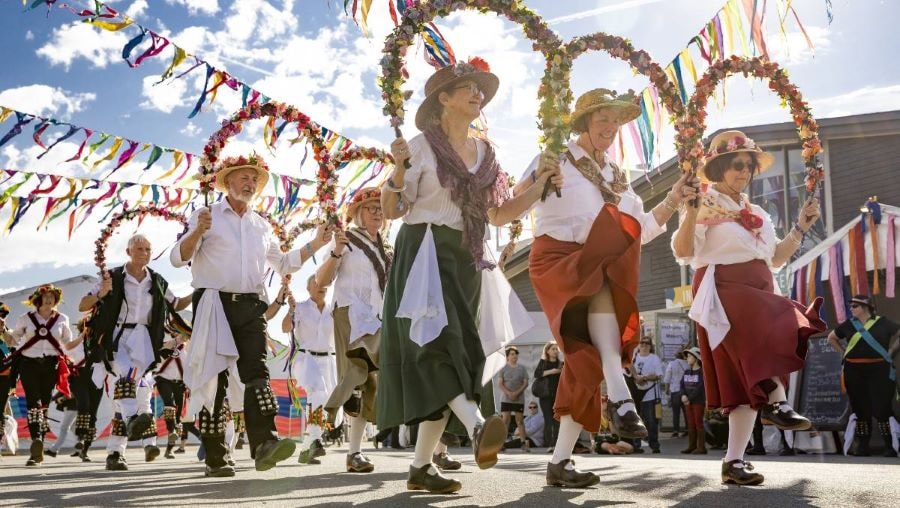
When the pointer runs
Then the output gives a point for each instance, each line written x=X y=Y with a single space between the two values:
x=432 y=357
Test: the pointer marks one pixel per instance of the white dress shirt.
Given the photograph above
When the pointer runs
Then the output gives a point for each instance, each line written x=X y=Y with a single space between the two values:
x=569 y=218
x=232 y=255
x=25 y=330
x=649 y=365
x=313 y=329
x=356 y=287
x=138 y=299
x=428 y=201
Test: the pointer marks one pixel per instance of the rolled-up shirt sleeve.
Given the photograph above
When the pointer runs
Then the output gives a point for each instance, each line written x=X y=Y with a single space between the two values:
x=175 y=254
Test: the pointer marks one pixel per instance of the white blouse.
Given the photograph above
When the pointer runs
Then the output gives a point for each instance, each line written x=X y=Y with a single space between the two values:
x=356 y=286
x=25 y=330
x=313 y=329
x=719 y=241
x=428 y=201
x=569 y=218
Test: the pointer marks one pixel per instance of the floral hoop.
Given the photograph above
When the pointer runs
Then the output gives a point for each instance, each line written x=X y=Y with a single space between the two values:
x=393 y=70
x=690 y=131
x=129 y=214
x=306 y=128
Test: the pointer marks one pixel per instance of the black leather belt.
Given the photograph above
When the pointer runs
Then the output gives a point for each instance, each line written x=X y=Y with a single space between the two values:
x=128 y=326
x=315 y=353
x=236 y=297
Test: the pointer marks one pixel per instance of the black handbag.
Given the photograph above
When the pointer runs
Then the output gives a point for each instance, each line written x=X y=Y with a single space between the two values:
x=540 y=388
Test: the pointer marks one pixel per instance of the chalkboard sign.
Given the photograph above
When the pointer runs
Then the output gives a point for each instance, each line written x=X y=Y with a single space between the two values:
x=820 y=394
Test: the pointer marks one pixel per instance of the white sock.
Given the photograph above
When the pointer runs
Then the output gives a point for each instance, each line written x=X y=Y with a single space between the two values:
x=357 y=431
x=230 y=435
x=740 y=428
x=606 y=337
x=569 y=430
x=313 y=432
x=67 y=420
x=778 y=394
x=467 y=411
x=428 y=438
x=116 y=444
x=149 y=441
x=129 y=408
x=440 y=448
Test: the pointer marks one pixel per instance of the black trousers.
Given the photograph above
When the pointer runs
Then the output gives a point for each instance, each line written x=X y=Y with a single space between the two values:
x=870 y=390
x=248 y=326
x=551 y=425
x=172 y=395
x=38 y=379
x=87 y=395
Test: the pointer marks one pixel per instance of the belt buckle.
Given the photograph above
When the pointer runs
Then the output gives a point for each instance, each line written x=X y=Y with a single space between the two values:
x=235 y=297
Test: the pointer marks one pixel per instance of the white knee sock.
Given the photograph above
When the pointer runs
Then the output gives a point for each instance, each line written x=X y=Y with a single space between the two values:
x=606 y=337
x=440 y=448
x=569 y=430
x=116 y=444
x=67 y=420
x=467 y=411
x=740 y=428
x=428 y=438
x=357 y=431
x=230 y=435
x=149 y=441
x=778 y=394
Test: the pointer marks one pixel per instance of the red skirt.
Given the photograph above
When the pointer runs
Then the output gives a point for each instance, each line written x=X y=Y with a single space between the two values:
x=768 y=336
x=565 y=276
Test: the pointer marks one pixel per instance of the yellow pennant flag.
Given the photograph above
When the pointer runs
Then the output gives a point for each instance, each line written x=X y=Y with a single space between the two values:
x=112 y=152
x=14 y=202
x=5 y=113
x=177 y=157
x=109 y=26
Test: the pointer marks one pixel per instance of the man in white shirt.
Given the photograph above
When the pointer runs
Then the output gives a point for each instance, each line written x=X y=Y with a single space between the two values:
x=647 y=371
x=229 y=245
x=132 y=305
x=674 y=370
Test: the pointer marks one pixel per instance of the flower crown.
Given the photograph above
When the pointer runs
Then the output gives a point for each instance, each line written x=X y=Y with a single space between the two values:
x=474 y=65
x=734 y=144
x=4 y=310
x=252 y=160
x=366 y=195
x=41 y=290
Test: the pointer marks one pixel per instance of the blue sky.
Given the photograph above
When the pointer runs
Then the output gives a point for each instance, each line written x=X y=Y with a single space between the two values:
x=308 y=53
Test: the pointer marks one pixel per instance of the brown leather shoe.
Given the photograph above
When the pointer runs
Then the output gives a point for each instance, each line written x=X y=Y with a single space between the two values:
x=445 y=462
x=783 y=416
x=740 y=475
x=487 y=440
x=559 y=476
x=419 y=479
x=272 y=452
x=359 y=463
x=627 y=426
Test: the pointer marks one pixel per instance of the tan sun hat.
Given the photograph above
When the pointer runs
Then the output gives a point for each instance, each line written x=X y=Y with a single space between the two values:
x=475 y=69
x=231 y=164
x=625 y=106
x=734 y=142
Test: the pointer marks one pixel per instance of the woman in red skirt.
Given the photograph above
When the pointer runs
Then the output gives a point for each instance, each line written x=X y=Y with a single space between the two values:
x=751 y=338
x=584 y=268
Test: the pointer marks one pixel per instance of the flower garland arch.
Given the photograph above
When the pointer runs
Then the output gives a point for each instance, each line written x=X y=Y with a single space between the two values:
x=139 y=213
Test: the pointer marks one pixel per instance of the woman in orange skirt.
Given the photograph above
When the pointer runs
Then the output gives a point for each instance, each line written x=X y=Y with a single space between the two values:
x=584 y=267
x=751 y=338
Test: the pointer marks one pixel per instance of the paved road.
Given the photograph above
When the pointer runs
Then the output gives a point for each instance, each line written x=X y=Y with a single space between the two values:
x=517 y=481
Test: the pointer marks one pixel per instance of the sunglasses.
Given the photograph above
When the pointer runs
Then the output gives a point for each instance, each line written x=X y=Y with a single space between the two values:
x=740 y=165
x=532 y=407
x=472 y=88
x=855 y=305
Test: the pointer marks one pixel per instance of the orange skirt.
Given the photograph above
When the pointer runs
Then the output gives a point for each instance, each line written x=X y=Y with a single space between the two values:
x=565 y=276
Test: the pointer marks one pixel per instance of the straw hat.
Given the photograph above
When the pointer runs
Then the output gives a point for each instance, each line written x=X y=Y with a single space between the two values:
x=625 y=106
x=231 y=164
x=362 y=196
x=734 y=142
x=475 y=69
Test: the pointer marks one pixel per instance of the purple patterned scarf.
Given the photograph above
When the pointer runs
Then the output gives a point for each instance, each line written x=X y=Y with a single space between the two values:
x=474 y=194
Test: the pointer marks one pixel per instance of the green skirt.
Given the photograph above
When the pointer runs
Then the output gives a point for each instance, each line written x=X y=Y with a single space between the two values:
x=416 y=382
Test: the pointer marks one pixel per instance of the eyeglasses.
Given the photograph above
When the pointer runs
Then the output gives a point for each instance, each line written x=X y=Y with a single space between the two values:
x=740 y=165
x=855 y=305
x=373 y=209
x=471 y=87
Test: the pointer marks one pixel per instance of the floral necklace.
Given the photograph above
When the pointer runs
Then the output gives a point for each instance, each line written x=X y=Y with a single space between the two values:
x=713 y=212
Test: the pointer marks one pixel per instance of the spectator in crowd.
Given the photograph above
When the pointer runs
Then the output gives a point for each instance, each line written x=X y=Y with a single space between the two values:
x=513 y=381
x=715 y=423
x=869 y=371
x=672 y=378
x=693 y=398
x=547 y=373
x=608 y=443
x=647 y=371
x=534 y=429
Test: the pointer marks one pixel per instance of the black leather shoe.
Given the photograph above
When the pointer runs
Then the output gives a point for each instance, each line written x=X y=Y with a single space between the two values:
x=559 y=476
x=137 y=425
x=445 y=462
x=419 y=479
x=116 y=462
x=150 y=453
x=627 y=426
x=781 y=415
x=740 y=475
x=225 y=471
x=359 y=463
x=272 y=452
x=37 y=453
x=50 y=453
x=487 y=440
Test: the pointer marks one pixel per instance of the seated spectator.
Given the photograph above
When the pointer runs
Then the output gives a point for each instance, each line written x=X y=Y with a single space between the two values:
x=534 y=429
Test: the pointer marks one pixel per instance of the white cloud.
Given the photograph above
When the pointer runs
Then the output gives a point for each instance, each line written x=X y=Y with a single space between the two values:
x=194 y=7
x=45 y=100
x=862 y=100
x=81 y=40
x=792 y=48
x=165 y=96
x=29 y=35
x=191 y=130
x=137 y=9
